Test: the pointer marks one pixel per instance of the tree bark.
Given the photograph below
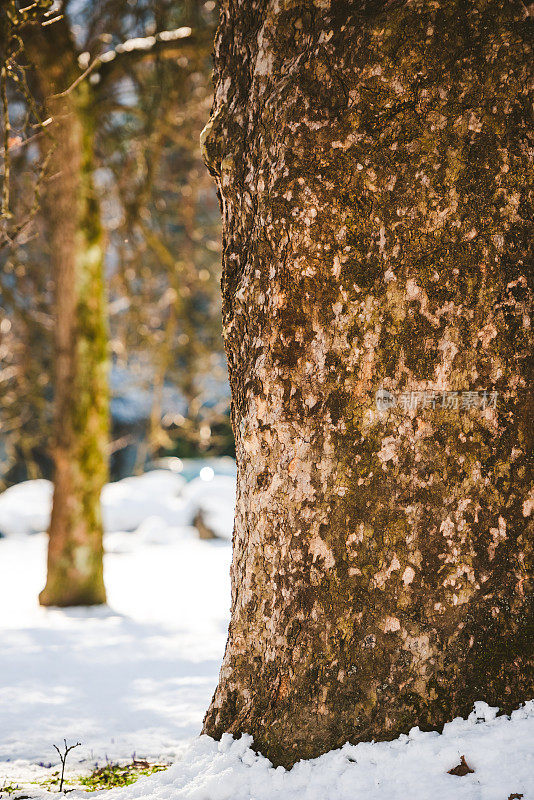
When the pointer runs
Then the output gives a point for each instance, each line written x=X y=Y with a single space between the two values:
x=374 y=162
x=72 y=217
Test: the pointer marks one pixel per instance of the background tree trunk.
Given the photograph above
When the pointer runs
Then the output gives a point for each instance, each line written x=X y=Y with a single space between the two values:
x=70 y=208
x=374 y=162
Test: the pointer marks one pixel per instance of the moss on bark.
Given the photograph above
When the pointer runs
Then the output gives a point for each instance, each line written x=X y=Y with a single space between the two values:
x=75 y=238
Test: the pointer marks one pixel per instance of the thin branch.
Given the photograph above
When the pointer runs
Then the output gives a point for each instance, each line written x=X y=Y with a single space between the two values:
x=20 y=143
x=139 y=47
x=7 y=130
x=11 y=239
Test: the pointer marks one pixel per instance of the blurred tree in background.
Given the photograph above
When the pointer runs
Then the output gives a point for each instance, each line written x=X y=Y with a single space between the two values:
x=119 y=92
x=160 y=220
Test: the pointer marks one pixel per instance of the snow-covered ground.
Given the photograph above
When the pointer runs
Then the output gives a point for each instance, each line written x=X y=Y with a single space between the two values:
x=414 y=767
x=137 y=676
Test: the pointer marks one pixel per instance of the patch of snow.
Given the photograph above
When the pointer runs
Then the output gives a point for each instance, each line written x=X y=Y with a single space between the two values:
x=216 y=499
x=134 y=676
x=25 y=507
x=127 y=504
x=499 y=750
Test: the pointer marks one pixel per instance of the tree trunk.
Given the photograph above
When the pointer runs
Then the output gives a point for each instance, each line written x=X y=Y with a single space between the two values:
x=70 y=207
x=374 y=168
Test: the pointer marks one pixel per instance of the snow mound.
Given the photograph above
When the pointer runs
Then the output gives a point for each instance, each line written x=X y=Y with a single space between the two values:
x=500 y=750
x=25 y=508
x=127 y=503
x=159 y=495
x=215 y=497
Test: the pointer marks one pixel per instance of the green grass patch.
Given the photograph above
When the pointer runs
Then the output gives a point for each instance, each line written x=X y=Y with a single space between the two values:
x=52 y=782
x=9 y=788
x=106 y=777
x=111 y=775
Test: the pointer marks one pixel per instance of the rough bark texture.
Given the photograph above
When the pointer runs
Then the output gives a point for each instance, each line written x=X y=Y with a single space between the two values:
x=75 y=570
x=374 y=161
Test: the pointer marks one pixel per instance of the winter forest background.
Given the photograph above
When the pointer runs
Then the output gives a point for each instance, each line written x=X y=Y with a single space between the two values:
x=169 y=392
x=355 y=177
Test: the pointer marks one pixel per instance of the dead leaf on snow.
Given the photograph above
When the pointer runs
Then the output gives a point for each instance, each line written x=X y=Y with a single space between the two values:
x=462 y=769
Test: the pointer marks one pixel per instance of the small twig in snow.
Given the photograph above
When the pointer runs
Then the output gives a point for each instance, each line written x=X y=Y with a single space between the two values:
x=63 y=757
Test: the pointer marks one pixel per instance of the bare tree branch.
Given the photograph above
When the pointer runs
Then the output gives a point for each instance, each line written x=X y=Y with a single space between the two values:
x=168 y=43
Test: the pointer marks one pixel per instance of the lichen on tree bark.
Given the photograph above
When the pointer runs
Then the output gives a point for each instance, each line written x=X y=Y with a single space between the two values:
x=374 y=163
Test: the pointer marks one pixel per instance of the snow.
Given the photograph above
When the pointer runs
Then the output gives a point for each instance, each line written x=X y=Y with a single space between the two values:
x=161 y=494
x=218 y=512
x=500 y=751
x=25 y=508
x=137 y=675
